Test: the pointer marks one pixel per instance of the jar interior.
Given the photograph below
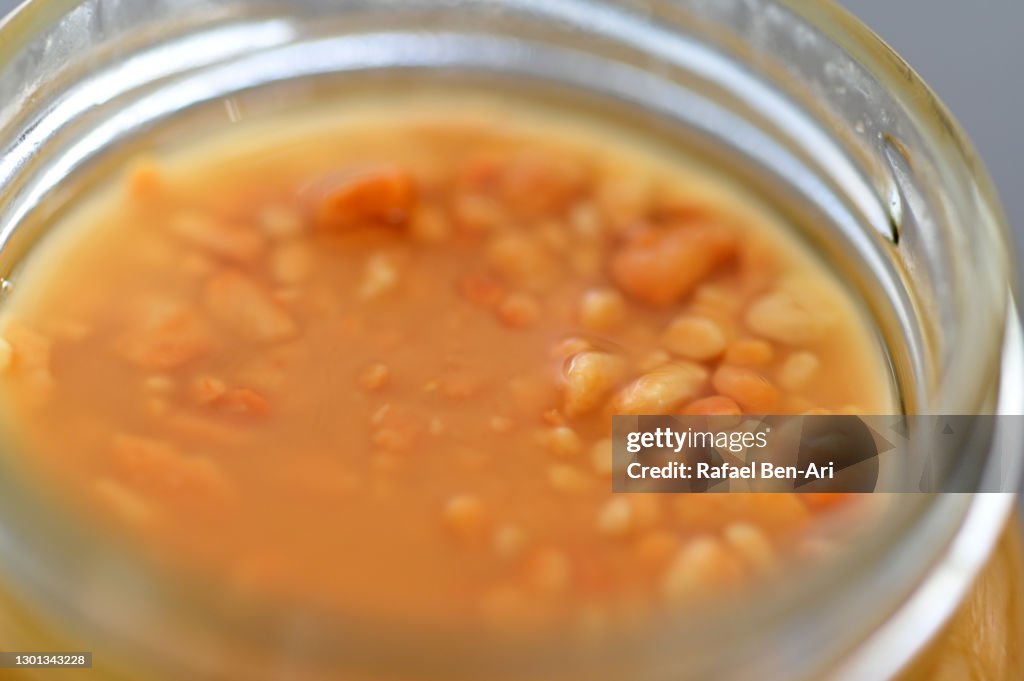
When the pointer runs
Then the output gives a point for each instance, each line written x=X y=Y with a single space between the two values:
x=239 y=62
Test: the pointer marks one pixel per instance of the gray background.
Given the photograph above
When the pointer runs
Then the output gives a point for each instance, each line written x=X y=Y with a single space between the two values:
x=972 y=53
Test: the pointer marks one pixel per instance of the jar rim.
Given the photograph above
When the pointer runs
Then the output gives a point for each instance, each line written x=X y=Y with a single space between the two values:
x=35 y=18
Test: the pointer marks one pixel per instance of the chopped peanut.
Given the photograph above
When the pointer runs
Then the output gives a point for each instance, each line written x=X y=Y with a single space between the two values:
x=660 y=266
x=796 y=312
x=382 y=196
x=700 y=564
x=589 y=378
x=156 y=467
x=662 y=390
x=532 y=182
x=217 y=237
x=602 y=309
x=752 y=391
x=243 y=306
x=695 y=338
x=798 y=370
x=168 y=338
x=538 y=183
x=522 y=261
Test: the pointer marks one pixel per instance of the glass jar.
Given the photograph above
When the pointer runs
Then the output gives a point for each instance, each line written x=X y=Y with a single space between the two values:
x=795 y=98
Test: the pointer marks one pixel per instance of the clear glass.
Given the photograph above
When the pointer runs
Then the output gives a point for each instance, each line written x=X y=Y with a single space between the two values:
x=795 y=98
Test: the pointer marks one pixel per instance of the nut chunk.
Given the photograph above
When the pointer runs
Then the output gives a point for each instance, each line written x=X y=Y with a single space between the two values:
x=217 y=236
x=696 y=338
x=589 y=377
x=381 y=196
x=749 y=389
x=660 y=265
x=156 y=467
x=702 y=564
x=662 y=390
x=799 y=310
x=241 y=304
x=167 y=335
x=30 y=355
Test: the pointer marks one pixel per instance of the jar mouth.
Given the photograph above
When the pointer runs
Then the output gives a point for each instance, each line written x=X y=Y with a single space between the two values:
x=668 y=67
